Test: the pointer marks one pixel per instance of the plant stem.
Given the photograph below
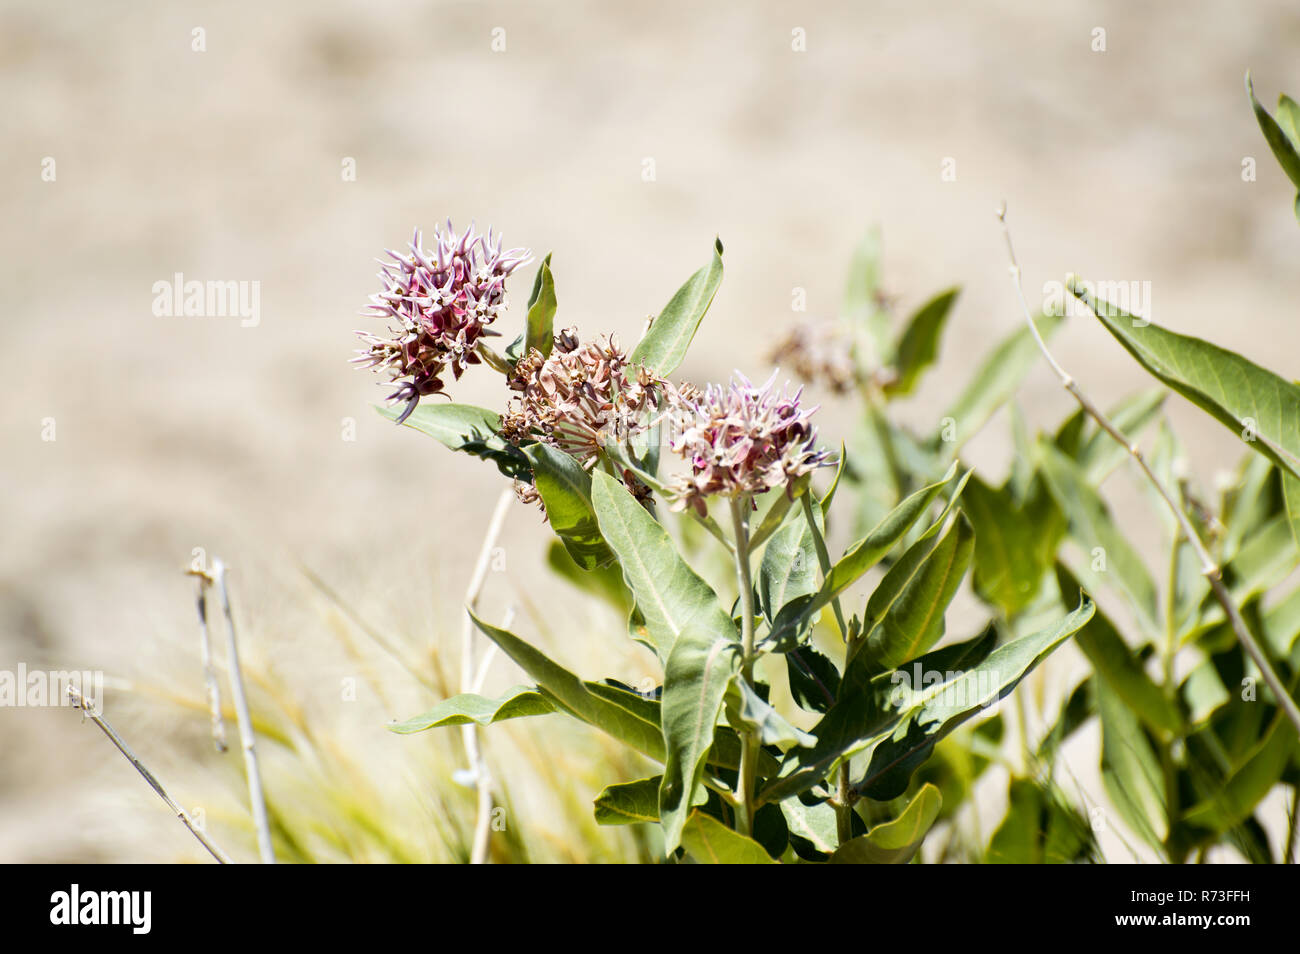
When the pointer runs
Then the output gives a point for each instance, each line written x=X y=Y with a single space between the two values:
x=749 y=741
x=81 y=703
x=247 y=738
x=1209 y=568
x=471 y=681
x=209 y=672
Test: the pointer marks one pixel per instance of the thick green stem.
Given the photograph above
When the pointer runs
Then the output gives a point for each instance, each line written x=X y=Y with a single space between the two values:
x=749 y=741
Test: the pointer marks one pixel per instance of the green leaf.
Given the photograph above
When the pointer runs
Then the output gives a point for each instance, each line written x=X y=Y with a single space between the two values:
x=699 y=669
x=789 y=567
x=671 y=598
x=1258 y=405
x=1119 y=668
x=1040 y=827
x=894 y=842
x=541 y=310
x=1130 y=771
x=905 y=615
x=1288 y=117
x=712 y=843
x=814 y=680
x=629 y=803
x=993 y=384
x=1015 y=542
x=935 y=711
x=566 y=490
x=1092 y=527
x=858 y=559
x=1101 y=453
x=861 y=297
x=469 y=707
x=746 y=709
x=665 y=344
x=604 y=581
x=815 y=825
x=919 y=345
x=1234 y=800
x=569 y=693
x=472 y=430
x=1285 y=149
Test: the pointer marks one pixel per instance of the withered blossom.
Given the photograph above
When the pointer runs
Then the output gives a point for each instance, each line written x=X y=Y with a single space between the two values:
x=740 y=440
x=821 y=352
x=442 y=301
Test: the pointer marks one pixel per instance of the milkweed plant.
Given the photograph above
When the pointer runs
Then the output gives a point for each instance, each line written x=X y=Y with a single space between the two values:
x=815 y=708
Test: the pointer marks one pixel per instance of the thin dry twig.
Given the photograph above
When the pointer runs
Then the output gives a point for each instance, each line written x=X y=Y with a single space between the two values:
x=1209 y=568
x=202 y=580
x=470 y=680
x=83 y=704
x=247 y=738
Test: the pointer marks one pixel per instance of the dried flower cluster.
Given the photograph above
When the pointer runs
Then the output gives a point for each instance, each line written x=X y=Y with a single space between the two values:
x=820 y=352
x=442 y=300
x=740 y=439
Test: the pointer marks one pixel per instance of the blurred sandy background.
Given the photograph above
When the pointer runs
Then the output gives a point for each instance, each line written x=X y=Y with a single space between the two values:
x=176 y=433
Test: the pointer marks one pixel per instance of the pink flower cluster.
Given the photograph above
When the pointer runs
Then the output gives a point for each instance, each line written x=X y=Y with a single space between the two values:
x=442 y=301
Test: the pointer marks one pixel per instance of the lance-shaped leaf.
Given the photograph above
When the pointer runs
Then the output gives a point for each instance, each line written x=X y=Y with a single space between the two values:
x=1040 y=827
x=1093 y=528
x=919 y=345
x=569 y=693
x=1119 y=667
x=1015 y=541
x=541 y=311
x=671 y=598
x=858 y=559
x=789 y=567
x=712 y=843
x=862 y=303
x=470 y=707
x=993 y=384
x=864 y=711
x=905 y=615
x=1256 y=404
x=1130 y=771
x=566 y=490
x=699 y=669
x=629 y=803
x=1100 y=453
x=814 y=680
x=813 y=829
x=1283 y=142
x=894 y=842
x=469 y=429
x=746 y=709
x=936 y=711
x=665 y=344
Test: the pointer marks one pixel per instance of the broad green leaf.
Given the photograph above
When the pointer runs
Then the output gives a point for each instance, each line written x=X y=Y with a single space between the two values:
x=699 y=669
x=859 y=558
x=671 y=598
x=566 y=491
x=1102 y=542
x=1119 y=668
x=935 y=711
x=905 y=615
x=1285 y=149
x=469 y=707
x=746 y=709
x=629 y=803
x=815 y=825
x=1130 y=771
x=993 y=384
x=665 y=344
x=814 y=680
x=861 y=298
x=894 y=842
x=541 y=311
x=789 y=567
x=1040 y=827
x=1015 y=542
x=919 y=345
x=1259 y=406
x=710 y=842
x=571 y=695
x=463 y=427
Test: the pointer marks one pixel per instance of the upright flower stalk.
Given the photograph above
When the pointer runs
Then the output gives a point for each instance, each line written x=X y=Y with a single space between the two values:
x=749 y=740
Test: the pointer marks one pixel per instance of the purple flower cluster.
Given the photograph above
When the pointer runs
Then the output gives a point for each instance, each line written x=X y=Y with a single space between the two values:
x=740 y=440
x=442 y=301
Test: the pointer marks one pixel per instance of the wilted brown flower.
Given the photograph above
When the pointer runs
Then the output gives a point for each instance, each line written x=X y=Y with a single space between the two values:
x=740 y=440
x=821 y=352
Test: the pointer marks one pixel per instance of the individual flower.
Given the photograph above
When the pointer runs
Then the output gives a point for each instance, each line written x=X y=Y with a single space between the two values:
x=580 y=397
x=820 y=352
x=740 y=440
x=440 y=302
